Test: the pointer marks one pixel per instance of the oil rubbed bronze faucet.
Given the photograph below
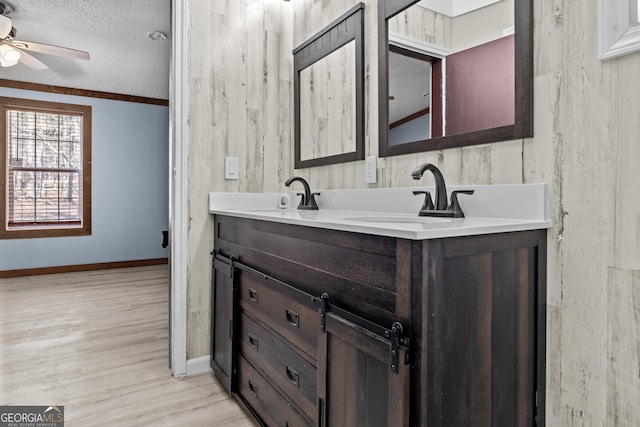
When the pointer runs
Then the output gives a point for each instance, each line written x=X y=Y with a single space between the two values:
x=441 y=188
x=308 y=201
x=440 y=208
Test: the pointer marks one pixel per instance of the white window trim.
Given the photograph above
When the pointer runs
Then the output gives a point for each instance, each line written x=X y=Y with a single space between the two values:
x=618 y=34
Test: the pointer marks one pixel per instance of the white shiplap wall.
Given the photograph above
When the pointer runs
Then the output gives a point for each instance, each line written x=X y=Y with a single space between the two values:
x=240 y=93
x=586 y=147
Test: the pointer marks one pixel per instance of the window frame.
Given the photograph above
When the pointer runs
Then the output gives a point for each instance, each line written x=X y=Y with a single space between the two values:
x=49 y=230
x=618 y=29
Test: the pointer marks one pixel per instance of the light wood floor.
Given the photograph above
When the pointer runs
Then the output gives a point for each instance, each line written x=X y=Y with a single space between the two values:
x=97 y=343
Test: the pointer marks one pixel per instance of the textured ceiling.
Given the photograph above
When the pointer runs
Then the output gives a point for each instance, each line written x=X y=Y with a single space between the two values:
x=123 y=58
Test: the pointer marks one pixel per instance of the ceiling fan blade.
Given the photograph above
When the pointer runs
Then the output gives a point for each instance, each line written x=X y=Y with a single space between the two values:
x=50 y=49
x=32 y=61
x=5 y=26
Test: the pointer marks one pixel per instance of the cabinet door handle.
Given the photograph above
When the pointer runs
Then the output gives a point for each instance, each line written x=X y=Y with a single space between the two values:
x=292 y=318
x=292 y=375
x=253 y=341
x=254 y=389
x=253 y=295
x=321 y=414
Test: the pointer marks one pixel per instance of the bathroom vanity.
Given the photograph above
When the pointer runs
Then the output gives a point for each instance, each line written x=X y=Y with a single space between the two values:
x=356 y=316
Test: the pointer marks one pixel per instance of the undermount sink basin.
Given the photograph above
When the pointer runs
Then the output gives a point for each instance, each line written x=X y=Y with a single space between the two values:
x=268 y=210
x=284 y=213
x=399 y=219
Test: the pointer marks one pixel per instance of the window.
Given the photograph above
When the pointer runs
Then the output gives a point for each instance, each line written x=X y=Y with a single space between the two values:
x=46 y=153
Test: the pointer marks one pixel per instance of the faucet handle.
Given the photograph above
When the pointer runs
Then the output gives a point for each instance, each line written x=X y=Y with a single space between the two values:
x=309 y=205
x=428 y=203
x=455 y=205
x=302 y=199
x=312 y=201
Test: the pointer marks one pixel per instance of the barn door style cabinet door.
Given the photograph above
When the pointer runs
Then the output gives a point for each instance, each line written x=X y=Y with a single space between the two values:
x=293 y=360
x=365 y=376
x=222 y=321
x=319 y=327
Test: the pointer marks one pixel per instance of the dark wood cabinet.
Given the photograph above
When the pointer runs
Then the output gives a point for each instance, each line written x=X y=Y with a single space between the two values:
x=330 y=328
x=292 y=315
x=222 y=321
x=289 y=371
x=485 y=316
x=268 y=405
x=358 y=383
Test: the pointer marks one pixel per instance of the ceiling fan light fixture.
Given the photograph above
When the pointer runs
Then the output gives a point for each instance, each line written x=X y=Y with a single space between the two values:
x=5 y=26
x=8 y=56
x=12 y=55
x=4 y=63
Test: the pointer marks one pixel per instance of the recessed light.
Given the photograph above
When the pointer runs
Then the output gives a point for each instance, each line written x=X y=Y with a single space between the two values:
x=157 y=35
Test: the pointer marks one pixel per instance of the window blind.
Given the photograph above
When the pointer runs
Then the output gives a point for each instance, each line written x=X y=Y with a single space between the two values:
x=44 y=168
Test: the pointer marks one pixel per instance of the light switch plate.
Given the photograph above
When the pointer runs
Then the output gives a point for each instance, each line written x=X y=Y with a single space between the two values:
x=231 y=168
x=370 y=170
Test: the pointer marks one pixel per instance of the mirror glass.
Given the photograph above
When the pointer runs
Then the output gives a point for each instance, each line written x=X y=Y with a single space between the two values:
x=450 y=73
x=329 y=93
x=328 y=105
x=409 y=97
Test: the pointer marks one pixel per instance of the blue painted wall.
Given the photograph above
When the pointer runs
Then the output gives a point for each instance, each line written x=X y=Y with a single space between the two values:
x=130 y=189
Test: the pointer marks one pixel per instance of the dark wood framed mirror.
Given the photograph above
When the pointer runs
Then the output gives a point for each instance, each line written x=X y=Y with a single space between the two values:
x=329 y=93
x=458 y=114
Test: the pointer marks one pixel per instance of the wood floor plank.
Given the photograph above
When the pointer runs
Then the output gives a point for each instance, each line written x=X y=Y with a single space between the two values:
x=97 y=342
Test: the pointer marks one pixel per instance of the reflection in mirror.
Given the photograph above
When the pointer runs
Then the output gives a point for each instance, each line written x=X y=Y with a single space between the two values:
x=478 y=90
x=328 y=96
x=410 y=94
x=328 y=105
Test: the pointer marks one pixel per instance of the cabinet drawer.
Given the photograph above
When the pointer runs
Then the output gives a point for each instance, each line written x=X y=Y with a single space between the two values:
x=265 y=400
x=285 y=314
x=291 y=373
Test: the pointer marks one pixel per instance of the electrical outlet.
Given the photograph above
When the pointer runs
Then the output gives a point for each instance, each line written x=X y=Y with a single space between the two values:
x=231 y=168
x=370 y=170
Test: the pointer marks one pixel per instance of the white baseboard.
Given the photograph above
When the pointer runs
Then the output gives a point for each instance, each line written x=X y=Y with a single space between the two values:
x=198 y=365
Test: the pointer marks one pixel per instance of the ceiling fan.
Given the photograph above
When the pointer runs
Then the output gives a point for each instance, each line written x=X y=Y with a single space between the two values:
x=13 y=51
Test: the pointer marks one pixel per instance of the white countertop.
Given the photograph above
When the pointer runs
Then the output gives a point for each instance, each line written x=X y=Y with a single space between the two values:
x=393 y=212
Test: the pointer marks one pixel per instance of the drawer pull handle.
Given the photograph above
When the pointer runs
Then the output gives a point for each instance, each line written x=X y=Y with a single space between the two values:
x=292 y=375
x=254 y=389
x=292 y=318
x=253 y=295
x=253 y=341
